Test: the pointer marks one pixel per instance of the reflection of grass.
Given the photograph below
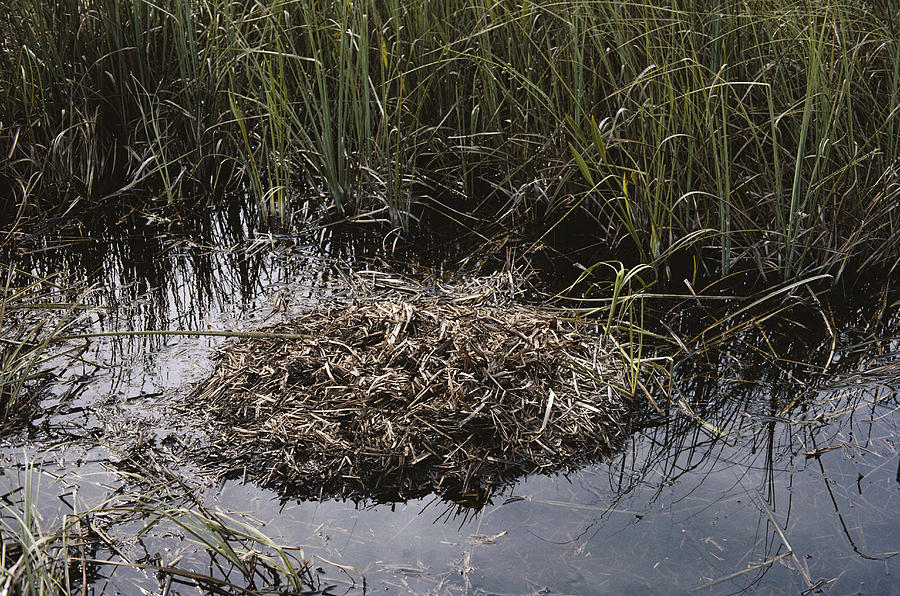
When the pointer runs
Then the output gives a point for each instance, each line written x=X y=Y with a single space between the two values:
x=70 y=553
x=32 y=319
x=755 y=392
x=732 y=367
x=779 y=414
x=761 y=133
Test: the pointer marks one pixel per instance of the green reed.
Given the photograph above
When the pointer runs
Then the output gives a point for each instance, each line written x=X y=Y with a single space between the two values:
x=765 y=132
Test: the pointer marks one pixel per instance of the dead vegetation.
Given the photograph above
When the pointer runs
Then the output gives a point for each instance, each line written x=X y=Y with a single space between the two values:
x=401 y=391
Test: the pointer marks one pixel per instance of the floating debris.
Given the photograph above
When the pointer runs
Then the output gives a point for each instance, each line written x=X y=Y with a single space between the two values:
x=405 y=391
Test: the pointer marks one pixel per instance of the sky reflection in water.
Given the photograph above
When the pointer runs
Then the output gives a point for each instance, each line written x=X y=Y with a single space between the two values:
x=685 y=506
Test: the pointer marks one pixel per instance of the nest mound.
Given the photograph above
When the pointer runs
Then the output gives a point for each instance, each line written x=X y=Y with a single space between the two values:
x=399 y=394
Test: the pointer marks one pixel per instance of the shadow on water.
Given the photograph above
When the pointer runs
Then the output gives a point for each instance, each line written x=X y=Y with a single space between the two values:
x=773 y=464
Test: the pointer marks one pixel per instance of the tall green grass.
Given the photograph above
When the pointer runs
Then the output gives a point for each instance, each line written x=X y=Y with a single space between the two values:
x=759 y=134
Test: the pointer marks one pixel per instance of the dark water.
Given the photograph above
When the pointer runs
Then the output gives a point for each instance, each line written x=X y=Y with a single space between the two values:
x=765 y=472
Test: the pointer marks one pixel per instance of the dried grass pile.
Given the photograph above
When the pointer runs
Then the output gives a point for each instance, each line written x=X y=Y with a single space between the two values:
x=399 y=394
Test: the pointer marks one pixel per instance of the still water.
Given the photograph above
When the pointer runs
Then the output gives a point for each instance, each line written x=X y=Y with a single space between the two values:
x=774 y=465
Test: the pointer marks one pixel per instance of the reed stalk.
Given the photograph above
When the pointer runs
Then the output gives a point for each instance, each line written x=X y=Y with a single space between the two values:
x=772 y=123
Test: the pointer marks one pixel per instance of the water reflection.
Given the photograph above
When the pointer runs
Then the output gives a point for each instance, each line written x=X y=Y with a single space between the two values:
x=774 y=465
x=774 y=426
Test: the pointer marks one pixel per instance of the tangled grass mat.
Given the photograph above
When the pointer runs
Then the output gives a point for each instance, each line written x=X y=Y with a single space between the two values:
x=403 y=391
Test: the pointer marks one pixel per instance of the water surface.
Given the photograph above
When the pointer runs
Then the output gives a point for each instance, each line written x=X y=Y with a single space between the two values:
x=765 y=472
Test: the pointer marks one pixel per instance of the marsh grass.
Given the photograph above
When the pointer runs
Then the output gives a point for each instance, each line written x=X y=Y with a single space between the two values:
x=35 y=313
x=29 y=559
x=764 y=134
x=65 y=553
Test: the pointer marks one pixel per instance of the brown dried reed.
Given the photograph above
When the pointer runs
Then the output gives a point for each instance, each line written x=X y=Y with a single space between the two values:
x=406 y=391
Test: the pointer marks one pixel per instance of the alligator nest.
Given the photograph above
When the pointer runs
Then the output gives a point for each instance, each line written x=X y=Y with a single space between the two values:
x=401 y=394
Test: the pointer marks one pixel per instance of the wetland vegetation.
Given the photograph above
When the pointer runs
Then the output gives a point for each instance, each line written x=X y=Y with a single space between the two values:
x=713 y=188
x=736 y=134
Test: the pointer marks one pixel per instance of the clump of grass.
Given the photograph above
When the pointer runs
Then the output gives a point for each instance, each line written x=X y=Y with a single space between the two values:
x=748 y=134
x=30 y=561
x=65 y=553
x=403 y=390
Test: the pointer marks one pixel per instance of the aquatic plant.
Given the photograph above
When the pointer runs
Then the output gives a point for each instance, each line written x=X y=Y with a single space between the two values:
x=29 y=561
x=67 y=555
x=756 y=135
